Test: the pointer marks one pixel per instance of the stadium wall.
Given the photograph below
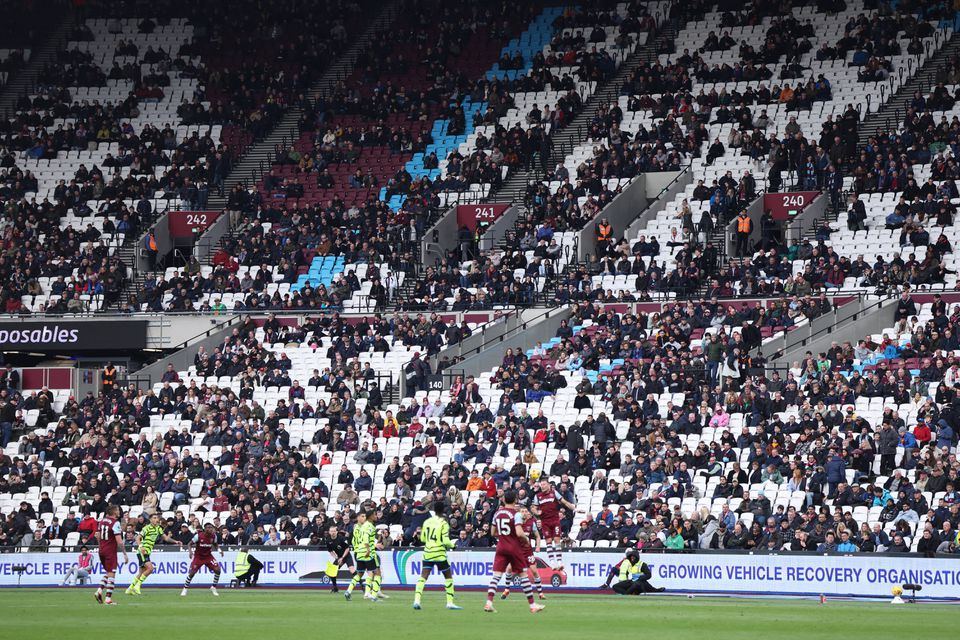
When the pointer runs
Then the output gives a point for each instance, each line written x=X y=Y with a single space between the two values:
x=209 y=335
x=849 y=323
x=864 y=576
x=621 y=211
x=496 y=232
x=806 y=219
x=439 y=238
x=658 y=201
x=539 y=328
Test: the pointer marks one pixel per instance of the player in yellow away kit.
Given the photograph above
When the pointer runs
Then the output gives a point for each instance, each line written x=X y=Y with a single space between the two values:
x=435 y=535
x=146 y=539
x=368 y=561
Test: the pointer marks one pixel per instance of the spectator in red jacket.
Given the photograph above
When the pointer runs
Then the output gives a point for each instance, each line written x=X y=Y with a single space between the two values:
x=87 y=526
x=922 y=433
x=489 y=485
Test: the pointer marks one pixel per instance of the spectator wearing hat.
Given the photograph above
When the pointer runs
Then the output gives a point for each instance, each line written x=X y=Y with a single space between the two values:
x=675 y=490
x=907 y=439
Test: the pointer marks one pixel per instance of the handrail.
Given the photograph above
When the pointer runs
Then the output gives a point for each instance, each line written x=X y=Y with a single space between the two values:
x=656 y=199
x=830 y=328
x=216 y=327
x=683 y=171
x=480 y=330
x=520 y=328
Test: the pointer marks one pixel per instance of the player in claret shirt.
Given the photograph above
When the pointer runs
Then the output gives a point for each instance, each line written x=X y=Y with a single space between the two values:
x=507 y=524
x=110 y=535
x=547 y=503
x=533 y=545
x=204 y=543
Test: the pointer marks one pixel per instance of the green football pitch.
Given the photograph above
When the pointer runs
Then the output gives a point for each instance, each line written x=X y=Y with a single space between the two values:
x=263 y=613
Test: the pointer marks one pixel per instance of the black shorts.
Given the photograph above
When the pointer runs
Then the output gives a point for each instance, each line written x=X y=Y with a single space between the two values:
x=368 y=565
x=439 y=565
x=142 y=559
x=347 y=561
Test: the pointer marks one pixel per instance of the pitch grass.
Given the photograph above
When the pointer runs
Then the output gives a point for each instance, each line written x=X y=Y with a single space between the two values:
x=263 y=613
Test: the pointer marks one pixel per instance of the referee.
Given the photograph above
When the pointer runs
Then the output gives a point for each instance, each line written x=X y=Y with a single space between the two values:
x=340 y=555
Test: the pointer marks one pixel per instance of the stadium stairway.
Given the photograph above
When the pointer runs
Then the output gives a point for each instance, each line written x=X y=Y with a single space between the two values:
x=127 y=253
x=514 y=188
x=537 y=34
x=24 y=80
x=851 y=322
x=892 y=112
x=259 y=156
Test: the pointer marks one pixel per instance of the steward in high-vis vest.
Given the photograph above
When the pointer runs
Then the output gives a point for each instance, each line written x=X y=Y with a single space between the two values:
x=246 y=569
x=635 y=576
x=744 y=229
x=604 y=231
x=109 y=378
x=151 y=249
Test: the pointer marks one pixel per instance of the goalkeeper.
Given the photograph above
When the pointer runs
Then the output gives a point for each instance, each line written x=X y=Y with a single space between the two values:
x=435 y=535
x=635 y=576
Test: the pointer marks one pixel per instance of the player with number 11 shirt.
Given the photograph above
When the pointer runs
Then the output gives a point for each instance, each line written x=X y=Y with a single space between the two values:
x=110 y=538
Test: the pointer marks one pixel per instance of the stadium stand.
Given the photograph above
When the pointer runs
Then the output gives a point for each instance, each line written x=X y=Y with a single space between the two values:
x=141 y=113
x=653 y=407
x=358 y=142
x=751 y=107
x=20 y=34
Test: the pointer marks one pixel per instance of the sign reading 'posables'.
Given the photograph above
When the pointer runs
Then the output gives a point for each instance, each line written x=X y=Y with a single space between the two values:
x=101 y=335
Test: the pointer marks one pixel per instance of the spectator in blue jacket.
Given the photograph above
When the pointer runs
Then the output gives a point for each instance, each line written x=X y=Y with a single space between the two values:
x=944 y=434
x=468 y=452
x=907 y=440
x=846 y=544
x=880 y=497
x=655 y=475
x=363 y=482
x=536 y=394
x=605 y=517
x=836 y=470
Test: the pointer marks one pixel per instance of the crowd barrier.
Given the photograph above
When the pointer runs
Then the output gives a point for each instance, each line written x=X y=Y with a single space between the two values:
x=866 y=575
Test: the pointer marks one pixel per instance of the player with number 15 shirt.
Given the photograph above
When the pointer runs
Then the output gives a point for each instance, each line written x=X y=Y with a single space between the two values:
x=510 y=549
x=512 y=543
